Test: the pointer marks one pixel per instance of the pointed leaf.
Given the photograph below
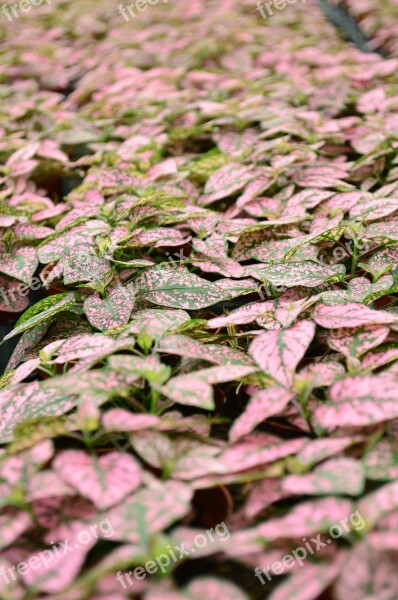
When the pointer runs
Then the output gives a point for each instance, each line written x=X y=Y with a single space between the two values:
x=359 y=401
x=105 y=480
x=111 y=312
x=279 y=352
x=179 y=288
x=262 y=405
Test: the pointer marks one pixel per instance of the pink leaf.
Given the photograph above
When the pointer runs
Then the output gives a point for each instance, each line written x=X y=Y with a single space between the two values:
x=21 y=264
x=351 y=314
x=111 y=312
x=336 y=476
x=262 y=405
x=225 y=181
x=279 y=352
x=359 y=401
x=105 y=481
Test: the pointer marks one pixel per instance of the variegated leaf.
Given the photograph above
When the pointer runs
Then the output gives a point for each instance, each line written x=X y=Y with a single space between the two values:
x=354 y=342
x=225 y=181
x=43 y=311
x=359 y=401
x=110 y=312
x=85 y=268
x=178 y=288
x=279 y=352
x=195 y=389
x=351 y=314
x=21 y=264
x=306 y=273
x=336 y=476
x=262 y=404
x=105 y=480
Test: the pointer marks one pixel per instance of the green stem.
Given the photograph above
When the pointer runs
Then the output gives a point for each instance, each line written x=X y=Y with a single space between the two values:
x=154 y=400
x=354 y=256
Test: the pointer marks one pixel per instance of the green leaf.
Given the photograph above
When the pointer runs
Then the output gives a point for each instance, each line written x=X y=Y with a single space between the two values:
x=43 y=311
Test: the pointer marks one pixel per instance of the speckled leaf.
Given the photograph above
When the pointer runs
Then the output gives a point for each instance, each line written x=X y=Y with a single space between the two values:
x=178 y=288
x=306 y=518
x=31 y=402
x=157 y=237
x=308 y=583
x=43 y=311
x=183 y=457
x=28 y=340
x=319 y=374
x=190 y=348
x=367 y=574
x=262 y=404
x=279 y=250
x=25 y=231
x=336 y=476
x=381 y=262
x=307 y=273
x=351 y=314
x=19 y=468
x=75 y=240
x=383 y=230
x=262 y=494
x=119 y=419
x=279 y=352
x=317 y=450
x=111 y=312
x=85 y=268
x=234 y=143
x=381 y=462
x=359 y=401
x=375 y=505
x=195 y=389
x=259 y=449
x=371 y=209
x=13 y=523
x=225 y=181
x=82 y=346
x=374 y=360
x=47 y=484
x=354 y=342
x=156 y=322
x=301 y=202
x=10 y=298
x=21 y=264
x=243 y=315
x=54 y=577
x=149 y=367
x=149 y=510
x=105 y=480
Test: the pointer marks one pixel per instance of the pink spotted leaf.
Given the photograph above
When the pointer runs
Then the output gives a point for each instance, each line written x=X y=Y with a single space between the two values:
x=179 y=288
x=351 y=314
x=225 y=181
x=336 y=476
x=358 y=401
x=105 y=480
x=110 y=312
x=306 y=273
x=263 y=404
x=21 y=264
x=279 y=352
